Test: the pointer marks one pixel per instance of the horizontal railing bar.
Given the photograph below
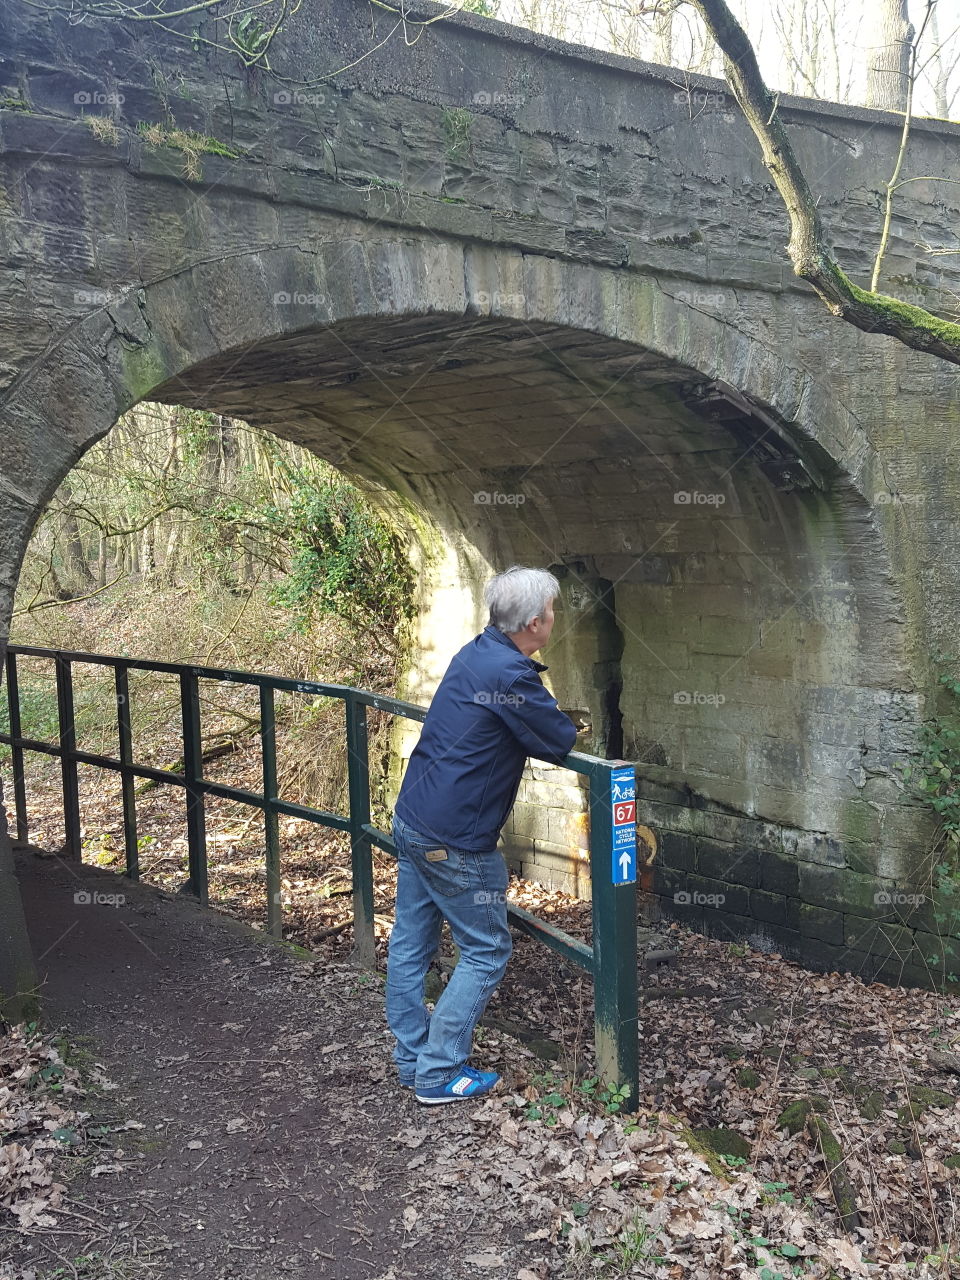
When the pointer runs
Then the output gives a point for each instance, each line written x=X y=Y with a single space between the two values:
x=147 y=771
x=554 y=937
x=381 y=838
x=317 y=688
x=287 y=807
x=31 y=744
x=576 y=760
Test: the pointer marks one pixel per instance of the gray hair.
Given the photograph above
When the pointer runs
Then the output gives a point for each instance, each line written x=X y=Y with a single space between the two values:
x=518 y=595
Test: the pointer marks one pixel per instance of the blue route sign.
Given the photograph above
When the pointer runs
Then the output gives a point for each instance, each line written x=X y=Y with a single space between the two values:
x=623 y=807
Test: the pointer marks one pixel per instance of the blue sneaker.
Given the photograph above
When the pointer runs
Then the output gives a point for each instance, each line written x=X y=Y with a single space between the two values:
x=469 y=1083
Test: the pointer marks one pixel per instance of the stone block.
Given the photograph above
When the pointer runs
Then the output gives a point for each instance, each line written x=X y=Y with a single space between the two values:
x=719 y=895
x=779 y=873
x=771 y=908
x=815 y=922
x=815 y=846
x=689 y=915
x=842 y=890
x=880 y=938
x=677 y=850
x=729 y=862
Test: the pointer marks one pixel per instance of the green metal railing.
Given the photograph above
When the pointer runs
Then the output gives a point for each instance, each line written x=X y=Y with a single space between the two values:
x=611 y=960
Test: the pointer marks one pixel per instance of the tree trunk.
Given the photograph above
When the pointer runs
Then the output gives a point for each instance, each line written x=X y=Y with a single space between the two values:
x=938 y=73
x=663 y=36
x=888 y=55
x=148 y=561
x=171 y=556
x=79 y=579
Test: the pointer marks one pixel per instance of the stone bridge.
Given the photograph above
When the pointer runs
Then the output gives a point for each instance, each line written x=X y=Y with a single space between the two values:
x=536 y=299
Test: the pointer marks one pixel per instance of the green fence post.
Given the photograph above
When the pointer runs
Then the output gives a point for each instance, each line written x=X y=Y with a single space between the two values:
x=127 y=781
x=614 y=938
x=193 y=772
x=16 y=753
x=271 y=823
x=68 y=760
x=361 y=848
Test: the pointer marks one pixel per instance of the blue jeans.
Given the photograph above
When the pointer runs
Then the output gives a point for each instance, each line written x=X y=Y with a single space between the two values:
x=468 y=890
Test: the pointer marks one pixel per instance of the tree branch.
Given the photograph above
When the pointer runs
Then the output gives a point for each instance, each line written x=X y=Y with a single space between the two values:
x=812 y=257
x=52 y=604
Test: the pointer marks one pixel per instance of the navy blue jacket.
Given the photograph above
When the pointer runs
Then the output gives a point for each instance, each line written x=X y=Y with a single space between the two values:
x=490 y=712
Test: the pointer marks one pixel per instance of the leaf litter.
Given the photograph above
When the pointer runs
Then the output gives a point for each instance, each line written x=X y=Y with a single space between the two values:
x=729 y=1038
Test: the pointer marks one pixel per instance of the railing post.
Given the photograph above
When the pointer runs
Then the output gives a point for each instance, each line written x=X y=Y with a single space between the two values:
x=271 y=825
x=127 y=783
x=361 y=848
x=68 y=762
x=16 y=752
x=193 y=772
x=614 y=932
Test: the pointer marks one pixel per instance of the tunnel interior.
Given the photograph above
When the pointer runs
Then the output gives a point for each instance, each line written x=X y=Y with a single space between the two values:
x=717 y=581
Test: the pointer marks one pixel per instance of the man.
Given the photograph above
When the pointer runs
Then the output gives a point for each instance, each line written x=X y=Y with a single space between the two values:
x=490 y=712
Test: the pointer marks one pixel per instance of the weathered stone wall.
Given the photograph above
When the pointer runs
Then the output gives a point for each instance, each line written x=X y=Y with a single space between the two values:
x=537 y=300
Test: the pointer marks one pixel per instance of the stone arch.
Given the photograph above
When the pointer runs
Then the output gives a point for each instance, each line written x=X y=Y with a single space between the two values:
x=308 y=338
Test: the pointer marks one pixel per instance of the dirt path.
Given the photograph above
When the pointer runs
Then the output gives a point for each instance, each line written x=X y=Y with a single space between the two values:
x=276 y=1141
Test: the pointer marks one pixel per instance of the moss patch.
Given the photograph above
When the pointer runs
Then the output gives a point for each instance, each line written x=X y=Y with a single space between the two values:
x=723 y=1142
x=192 y=145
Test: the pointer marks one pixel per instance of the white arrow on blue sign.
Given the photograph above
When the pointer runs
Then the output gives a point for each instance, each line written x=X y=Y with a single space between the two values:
x=623 y=806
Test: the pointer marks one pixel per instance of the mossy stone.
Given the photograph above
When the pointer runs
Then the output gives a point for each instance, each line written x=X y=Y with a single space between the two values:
x=840 y=1183
x=871 y=1104
x=927 y=1097
x=723 y=1142
x=794 y=1115
x=747 y=1078
x=922 y=1098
